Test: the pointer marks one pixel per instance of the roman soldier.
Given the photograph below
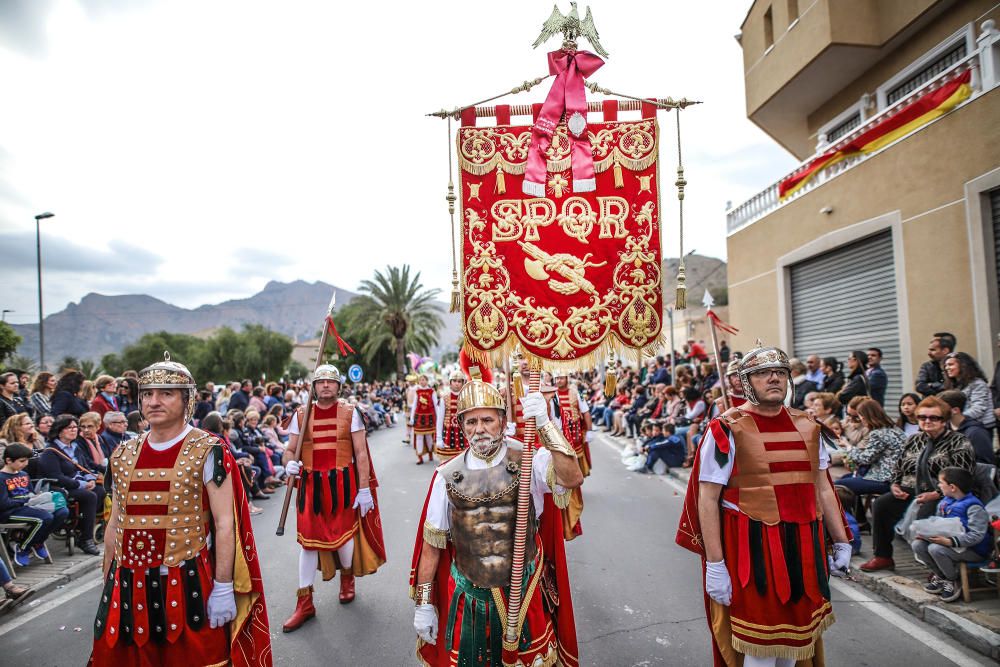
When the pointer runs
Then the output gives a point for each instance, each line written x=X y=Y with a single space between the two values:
x=564 y=421
x=423 y=416
x=182 y=576
x=732 y=386
x=465 y=545
x=757 y=503
x=450 y=438
x=576 y=421
x=337 y=516
x=409 y=398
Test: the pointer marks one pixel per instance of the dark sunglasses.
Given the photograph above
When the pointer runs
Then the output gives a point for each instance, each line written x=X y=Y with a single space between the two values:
x=930 y=418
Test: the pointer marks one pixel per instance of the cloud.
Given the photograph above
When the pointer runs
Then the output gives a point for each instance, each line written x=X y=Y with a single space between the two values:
x=62 y=255
x=22 y=25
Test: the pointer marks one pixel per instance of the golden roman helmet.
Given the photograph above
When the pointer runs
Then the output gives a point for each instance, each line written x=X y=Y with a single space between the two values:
x=760 y=358
x=456 y=375
x=733 y=368
x=169 y=374
x=479 y=394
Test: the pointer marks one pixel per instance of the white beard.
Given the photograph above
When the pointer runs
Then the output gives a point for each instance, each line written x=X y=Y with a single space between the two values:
x=485 y=446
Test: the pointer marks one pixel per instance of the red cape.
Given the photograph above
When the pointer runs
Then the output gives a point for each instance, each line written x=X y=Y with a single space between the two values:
x=553 y=545
x=371 y=523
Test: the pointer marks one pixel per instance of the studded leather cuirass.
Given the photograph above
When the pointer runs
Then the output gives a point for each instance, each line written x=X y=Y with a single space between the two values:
x=483 y=513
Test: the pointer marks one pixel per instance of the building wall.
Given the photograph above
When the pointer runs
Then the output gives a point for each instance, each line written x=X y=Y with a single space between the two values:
x=917 y=187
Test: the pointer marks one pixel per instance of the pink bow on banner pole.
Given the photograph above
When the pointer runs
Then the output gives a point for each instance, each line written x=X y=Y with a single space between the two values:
x=566 y=95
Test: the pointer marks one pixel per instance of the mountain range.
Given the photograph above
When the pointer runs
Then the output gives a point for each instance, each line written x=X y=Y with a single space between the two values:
x=100 y=323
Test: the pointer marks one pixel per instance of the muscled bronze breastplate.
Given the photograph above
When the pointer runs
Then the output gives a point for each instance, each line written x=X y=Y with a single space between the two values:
x=483 y=513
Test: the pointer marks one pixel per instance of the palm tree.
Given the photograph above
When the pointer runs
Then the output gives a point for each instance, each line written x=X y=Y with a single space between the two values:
x=399 y=314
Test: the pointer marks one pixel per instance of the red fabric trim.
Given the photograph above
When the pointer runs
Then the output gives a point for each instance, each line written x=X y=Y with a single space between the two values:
x=469 y=117
x=503 y=114
x=743 y=563
x=779 y=570
x=720 y=434
x=610 y=108
x=148 y=485
x=535 y=110
x=649 y=111
x=785 y=446
x=789 y=466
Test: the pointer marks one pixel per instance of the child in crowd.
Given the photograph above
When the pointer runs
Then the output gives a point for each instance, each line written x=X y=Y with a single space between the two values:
x=942 y=554
x=15 y=498
x=664 y=446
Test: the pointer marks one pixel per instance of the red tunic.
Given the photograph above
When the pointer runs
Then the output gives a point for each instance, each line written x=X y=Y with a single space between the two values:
x=451 y=432
x=424 y=415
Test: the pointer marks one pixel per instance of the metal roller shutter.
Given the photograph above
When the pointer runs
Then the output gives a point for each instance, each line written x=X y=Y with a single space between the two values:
x=995 y=211
x=845 y=300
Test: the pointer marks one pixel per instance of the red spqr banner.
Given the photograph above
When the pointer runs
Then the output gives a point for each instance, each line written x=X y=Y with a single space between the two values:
x=569 y=274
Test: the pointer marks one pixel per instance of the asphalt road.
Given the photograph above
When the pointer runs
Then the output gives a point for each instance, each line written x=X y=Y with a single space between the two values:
x=637 y=595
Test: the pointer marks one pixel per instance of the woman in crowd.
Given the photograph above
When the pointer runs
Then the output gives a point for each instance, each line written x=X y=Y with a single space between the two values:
x=857 y=381
x=825 y=405
x=854 y=429
x=66 y=462
x=128 y=395
x=90 y=424
x=10 y=399
x=41 y=393
x=963 y=373
x=924 y=455
x=88 y=391
x=67 y=398
x=802 y=386
x=908 y=414
x=281 y=433
x=875 y=462
x=238 y=441
x=106 y=399
x=216 y=425
x=20 y=428
x=263 y=456
x=43 y=427
x=694 y=413
x=137 y=424
x=222 y=400
x=833 y=380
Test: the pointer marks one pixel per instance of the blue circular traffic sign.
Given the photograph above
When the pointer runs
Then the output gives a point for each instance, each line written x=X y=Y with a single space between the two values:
x=355 y=373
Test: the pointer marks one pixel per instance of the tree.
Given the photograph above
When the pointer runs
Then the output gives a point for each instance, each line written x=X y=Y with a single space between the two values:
x=296 y=371
x=69 y=361
x=149 y=349
x=397 y=313
x=90 y=369
x=21 y=362
x=9 y=340
x=113 y=364
x=252 y=353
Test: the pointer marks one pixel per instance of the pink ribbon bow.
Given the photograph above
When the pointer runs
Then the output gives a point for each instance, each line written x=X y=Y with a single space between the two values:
x=567 y=94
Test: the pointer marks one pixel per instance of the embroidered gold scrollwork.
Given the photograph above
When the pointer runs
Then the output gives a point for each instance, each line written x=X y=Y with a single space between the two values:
x=577 y=218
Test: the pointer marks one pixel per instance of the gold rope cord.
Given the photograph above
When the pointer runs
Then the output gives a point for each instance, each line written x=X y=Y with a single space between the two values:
x=680 y=302
x=456 y=297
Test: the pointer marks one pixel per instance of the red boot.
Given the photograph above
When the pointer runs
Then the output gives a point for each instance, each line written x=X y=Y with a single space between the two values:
x=304 y=610
x=346 y=586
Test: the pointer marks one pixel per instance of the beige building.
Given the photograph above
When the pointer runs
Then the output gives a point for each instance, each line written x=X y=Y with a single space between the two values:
x=885 y=247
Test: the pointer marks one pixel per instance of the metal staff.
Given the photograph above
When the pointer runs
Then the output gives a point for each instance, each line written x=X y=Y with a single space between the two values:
x=290 y=482
x=708 y=302
x=521 y=525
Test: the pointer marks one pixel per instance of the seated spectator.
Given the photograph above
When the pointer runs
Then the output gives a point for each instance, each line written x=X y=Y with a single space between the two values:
x=89 y=442
x=41 y=394
x=44 y=427
x=908 y=413
x=240 y=398
x=943 y=554
x=854 y=430
x=67 y=398
x=216 y=425
x=873 y=464
x=273 y=396
x=824 y=405
x=106 y=398
x=255 y=441
x=963 y=373
x=20 y=428
x=802 y=386
x=664 y=445
x=924 y=456
x=15 y=593
x=833 y=377
x=242 y=449
x=137 y=425
x=694 y=414
x=973 y=429
x=203 y=406
x=128 y=395
x=256 y=402
x=930 y=377
x=115 y=426
x=63 y=460
x=857 y=382
x=10 y=400
x=16 y=506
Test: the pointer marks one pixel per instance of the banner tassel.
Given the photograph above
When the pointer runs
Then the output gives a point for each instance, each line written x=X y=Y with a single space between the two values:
x=619 y=178
x=501 y=187
x=456 y=297
x=610 y=384
x=680 y=300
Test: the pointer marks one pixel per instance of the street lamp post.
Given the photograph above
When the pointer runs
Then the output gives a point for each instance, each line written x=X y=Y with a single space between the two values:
x=41 y=316
x=3 y=318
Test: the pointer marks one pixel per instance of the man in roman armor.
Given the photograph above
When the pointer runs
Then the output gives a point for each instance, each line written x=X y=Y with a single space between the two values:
x=450 y=437
x=732 y=386
x=182 y=576
x=409 y=397
x=338 y=522
x=465 y=545
x=575 y=415
x=423 y=415
x=757 y=503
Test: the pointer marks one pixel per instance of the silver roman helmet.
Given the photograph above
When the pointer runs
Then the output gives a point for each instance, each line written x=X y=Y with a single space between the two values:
x=327 y=372
x=169 y=374
x=760 y=358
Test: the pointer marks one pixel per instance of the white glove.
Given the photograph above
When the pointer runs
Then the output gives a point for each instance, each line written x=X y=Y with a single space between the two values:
x=718 y=585
x=425 y=622
x=293 y=467
x=364 y=501
x=221 y=604
x=534 y=406
x=840 y=561
x=588 y=436
x=510 y=430
x=439 y=444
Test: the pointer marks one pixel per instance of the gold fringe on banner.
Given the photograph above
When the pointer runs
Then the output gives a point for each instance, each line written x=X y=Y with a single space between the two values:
x=610 y=383
x=501 y=187
x=619 y=179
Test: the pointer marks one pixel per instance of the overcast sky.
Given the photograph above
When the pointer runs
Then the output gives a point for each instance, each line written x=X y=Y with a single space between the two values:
x=194 y=150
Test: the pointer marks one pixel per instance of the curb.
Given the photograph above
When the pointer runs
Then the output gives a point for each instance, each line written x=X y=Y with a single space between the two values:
x=69 y=574
x=905 y=595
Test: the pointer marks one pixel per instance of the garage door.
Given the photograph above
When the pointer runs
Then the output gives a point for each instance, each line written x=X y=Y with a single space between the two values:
x=845 y=300
x=995 y=211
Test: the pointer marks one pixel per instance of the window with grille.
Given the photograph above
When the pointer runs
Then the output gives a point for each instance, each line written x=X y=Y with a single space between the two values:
x=928 y=72
x=852 y=121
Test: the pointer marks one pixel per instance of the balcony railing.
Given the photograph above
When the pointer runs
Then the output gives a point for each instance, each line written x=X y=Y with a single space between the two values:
x=985 y=65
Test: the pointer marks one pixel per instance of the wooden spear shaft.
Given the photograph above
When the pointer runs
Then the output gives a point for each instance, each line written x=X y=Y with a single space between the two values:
x=521 y=525
x=718 y=362
x=290 y=482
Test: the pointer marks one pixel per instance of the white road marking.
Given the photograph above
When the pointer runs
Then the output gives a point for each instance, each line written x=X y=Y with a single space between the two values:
x=874 y=605
x=80 y=587
x=878 y=608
